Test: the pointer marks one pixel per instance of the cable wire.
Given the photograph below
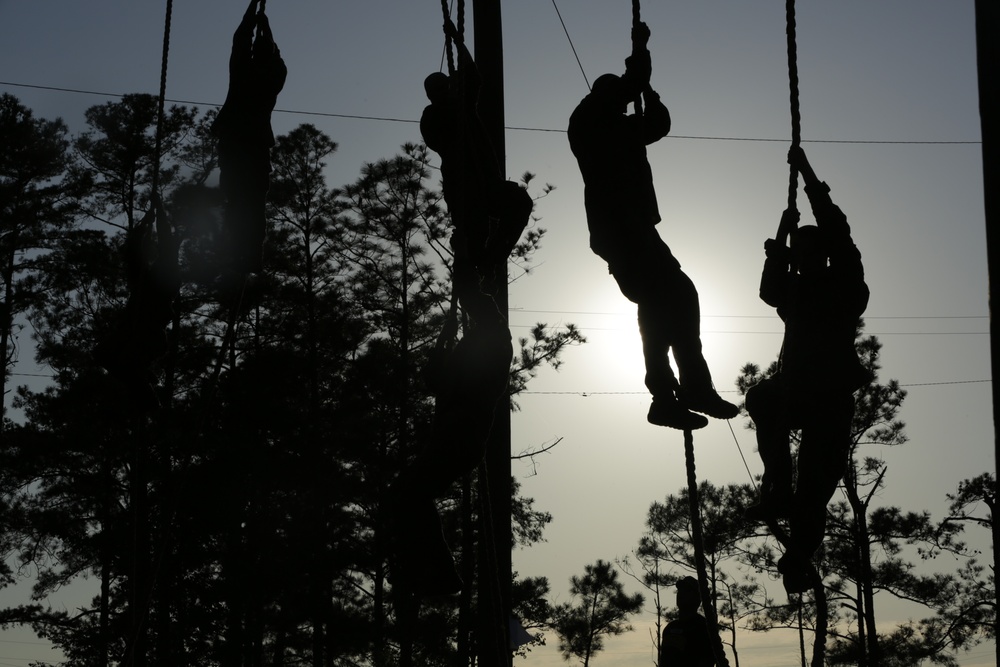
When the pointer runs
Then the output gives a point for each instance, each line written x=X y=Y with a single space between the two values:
x=390 y=119
x=571 y=45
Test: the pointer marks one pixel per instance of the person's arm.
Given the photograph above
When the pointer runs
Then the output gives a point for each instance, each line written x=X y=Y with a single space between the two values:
x=243 y=37
x=788 y=224
x=828 y=215
x=778 y=256
x=845 y=258
x=638 y=66
x=655 y=117
x=471 y=78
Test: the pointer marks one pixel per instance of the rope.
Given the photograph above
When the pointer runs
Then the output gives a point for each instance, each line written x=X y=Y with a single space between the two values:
x=140 y=617
x=447 y=38
x=793 y=88
x=162 y=99
x=636 y=20
x=697 y=540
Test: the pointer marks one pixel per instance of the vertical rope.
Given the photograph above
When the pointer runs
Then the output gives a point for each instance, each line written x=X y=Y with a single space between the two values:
x=163 y=94
x=793 y=88
x=636 y=20
x=447 y=38
x=697 y=538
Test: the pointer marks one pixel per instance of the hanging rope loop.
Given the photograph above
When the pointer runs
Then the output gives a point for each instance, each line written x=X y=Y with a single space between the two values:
x=459 y=27
x=793 y=88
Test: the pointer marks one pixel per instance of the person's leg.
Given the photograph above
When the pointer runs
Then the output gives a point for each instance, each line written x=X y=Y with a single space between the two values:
x=765 y=405
x=638 y=268
x=681 y=313
x=822 y=459
x=821 y=464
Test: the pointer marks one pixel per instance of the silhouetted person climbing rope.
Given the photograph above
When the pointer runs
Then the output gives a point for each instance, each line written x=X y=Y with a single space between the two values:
x=468 y=375
x=686 y=641
x=622 y=213
x=818 y=288
x=256 y=76
x=137 y=339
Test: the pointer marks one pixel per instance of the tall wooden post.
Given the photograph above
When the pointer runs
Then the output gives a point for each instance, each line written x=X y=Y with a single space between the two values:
x=987 y=55
x=495 y=567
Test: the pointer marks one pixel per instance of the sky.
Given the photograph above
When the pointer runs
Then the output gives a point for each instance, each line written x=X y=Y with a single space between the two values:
x=889 y=119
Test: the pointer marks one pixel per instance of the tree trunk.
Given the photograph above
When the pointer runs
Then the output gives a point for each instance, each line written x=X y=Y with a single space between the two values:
x=107 y=555
x=822 y=621
x=802 y=636
x=468 y=565
x=867 y=632
x=987 y=22
x=6 y=322
x=139 y=582
x=867 y=590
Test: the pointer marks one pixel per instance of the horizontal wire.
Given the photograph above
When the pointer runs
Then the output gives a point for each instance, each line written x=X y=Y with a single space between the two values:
x=724 y=391
x=389 y=119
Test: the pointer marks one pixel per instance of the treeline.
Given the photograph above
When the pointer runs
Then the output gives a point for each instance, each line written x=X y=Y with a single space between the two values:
x=875 y=556
x=226 y=505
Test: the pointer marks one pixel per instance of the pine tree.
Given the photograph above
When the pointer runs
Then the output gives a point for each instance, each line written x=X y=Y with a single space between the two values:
x=600 y=608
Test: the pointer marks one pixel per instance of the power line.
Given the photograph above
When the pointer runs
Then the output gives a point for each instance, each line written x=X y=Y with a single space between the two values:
x=760 y=317
x=390 y=119
x=571 y=45
x=586 y=394
x=781 y=333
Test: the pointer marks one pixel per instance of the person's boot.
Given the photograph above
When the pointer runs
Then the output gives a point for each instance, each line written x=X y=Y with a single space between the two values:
x=707 y=401
x=797 y=574
x=667 y=411
x=772 y=505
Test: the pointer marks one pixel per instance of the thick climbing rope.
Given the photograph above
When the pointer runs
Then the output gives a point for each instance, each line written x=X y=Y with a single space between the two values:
x=793 y=89
x=697 y=538
x=162 y=99
x=447 y=39
x=460 y=25
x=141 y=613
x=793 y=177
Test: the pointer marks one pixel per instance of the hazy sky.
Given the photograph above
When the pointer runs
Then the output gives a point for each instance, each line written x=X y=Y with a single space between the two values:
x=879 y=79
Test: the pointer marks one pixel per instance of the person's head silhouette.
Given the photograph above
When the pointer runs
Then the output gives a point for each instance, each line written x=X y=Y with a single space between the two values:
x=610 y=89
x=688 y=595
x=436 y=87
x=809 y=253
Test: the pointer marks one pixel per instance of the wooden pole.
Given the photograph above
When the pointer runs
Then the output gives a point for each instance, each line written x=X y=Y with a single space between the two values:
x=495 y=567
x=987 y=53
